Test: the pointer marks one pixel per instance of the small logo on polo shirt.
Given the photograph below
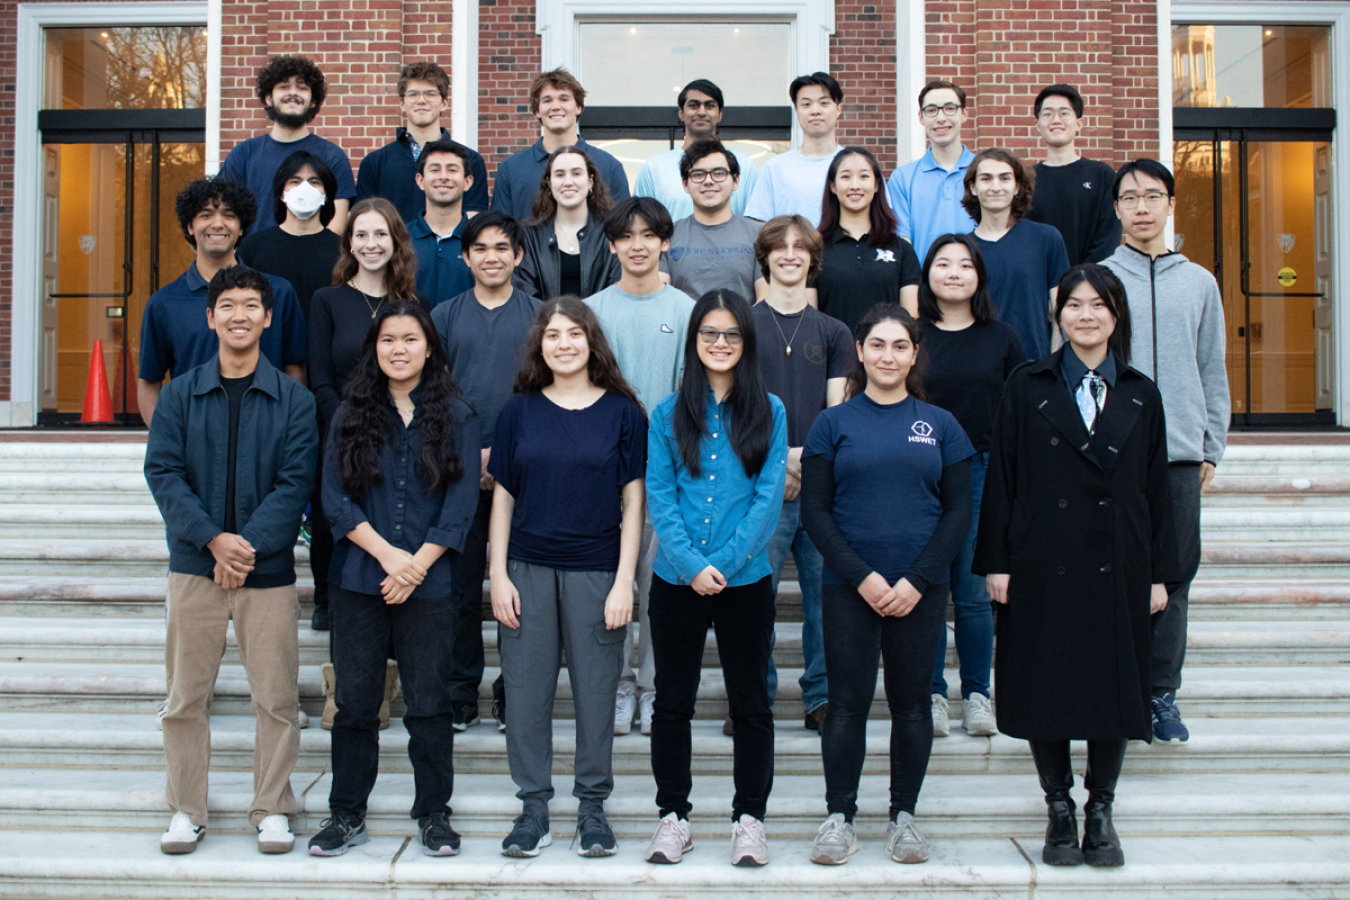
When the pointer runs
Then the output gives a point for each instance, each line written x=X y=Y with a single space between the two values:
x=1088 y=185
x=885 y=256
x=923 y=434
x=666 y=329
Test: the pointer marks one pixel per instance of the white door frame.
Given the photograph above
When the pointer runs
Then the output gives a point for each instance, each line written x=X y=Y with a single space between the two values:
x=26 y=247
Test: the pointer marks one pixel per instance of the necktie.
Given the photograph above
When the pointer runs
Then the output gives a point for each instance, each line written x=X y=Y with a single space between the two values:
x=1089 y=395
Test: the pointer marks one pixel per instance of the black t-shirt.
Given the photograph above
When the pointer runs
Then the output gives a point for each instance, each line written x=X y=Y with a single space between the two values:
x=570 y=273
x=821 y=350
x=306 y=261
x=965 y=373
x=1076 y=200
x=857 y=276
x=234 y=392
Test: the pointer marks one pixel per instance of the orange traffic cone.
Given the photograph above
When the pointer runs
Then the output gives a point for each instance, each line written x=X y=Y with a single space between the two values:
x=98 y=406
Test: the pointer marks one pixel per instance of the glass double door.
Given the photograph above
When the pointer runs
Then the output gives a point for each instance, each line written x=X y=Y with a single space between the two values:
x=1259 y=214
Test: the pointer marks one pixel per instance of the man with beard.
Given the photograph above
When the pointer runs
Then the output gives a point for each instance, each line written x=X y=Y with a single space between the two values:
x=291 y=90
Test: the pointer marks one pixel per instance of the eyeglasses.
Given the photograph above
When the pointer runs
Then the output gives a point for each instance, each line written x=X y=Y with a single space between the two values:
x=1153 y=200
x=948 y=109
x=710 y=336
x=719 y=175
x=417 y=95
x=1048 y=115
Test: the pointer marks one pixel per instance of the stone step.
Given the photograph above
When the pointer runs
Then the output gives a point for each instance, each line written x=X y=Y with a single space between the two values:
x=1293 y=561
x=66 y=522
x=1254 y=599
x=115 y=488
x=1281 y=525
x=951 y=806
x=92 y=457
x=57 y=559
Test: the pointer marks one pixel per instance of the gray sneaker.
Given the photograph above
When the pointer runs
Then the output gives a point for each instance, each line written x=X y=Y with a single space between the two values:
x=749 y=845
x=671 y=841
x=942 y=723
x=904 y=842
x=977 y=717
x=836 y=841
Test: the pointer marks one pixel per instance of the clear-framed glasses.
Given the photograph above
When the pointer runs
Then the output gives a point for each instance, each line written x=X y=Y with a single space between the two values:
x=1049 y=115
x=417 y=95
x=719 y=175
x=1152 y=199
x=710 y=336
x=947 y=109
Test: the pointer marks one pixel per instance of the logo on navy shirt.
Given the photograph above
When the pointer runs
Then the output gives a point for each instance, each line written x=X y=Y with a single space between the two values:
x=923 y=434
x=885 y=256
x=815 y=353
x=1088 y=185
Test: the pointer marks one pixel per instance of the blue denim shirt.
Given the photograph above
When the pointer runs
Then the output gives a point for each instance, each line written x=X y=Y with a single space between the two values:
x=722 y=517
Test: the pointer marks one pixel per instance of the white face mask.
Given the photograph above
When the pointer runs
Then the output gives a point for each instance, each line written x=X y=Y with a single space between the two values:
x=304 y=200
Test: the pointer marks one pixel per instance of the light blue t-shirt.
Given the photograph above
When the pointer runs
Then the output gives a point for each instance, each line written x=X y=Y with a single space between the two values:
x=926 y=200
x=791 y=183
x=647 y=336
x=660 y=178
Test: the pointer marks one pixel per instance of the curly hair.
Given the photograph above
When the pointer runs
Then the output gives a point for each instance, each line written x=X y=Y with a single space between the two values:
x=400 y=275
x=284 y=68
x=545 y=206
x=1022 y=174
x=207 y=193
x=602 y=366
x=369 y=423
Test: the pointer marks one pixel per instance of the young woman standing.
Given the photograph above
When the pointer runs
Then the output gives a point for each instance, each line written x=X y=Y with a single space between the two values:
x=565 y=247
x=715 y=476
x=886 y=499
x=968 y=356
x=400 y=497
x=569 y=457
x=1076 y=542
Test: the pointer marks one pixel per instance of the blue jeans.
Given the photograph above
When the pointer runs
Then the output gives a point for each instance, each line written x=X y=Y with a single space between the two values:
x=974 y=615
x=791 y=536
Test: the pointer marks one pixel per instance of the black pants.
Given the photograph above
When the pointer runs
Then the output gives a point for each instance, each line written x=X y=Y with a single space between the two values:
x=421 y=632
x=1169 y=626
x=742 y=618
x=320 y=541
x=855 y=637
x=467 y=655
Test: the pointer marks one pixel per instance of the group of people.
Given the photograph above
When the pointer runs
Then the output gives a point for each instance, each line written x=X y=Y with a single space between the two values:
x=948 y=383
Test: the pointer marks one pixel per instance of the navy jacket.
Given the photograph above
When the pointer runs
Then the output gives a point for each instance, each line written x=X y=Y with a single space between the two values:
x=276 y=459
x=391 y=172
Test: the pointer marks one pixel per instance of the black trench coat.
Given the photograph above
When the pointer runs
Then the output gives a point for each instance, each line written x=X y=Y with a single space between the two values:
x=1083 y=525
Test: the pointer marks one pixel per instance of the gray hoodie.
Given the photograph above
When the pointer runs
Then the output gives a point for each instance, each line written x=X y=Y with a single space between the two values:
x=1176 y=317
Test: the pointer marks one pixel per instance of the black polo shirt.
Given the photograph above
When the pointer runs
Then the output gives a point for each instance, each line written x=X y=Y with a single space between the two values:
x=857 y=276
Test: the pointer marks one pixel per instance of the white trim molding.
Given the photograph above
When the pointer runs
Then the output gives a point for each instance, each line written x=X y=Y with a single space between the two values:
x=911 y=74
x=25 y=248
x=464 y=72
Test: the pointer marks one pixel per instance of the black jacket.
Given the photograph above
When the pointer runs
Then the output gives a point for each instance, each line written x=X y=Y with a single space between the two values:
x=391 y=172
x=540 y=273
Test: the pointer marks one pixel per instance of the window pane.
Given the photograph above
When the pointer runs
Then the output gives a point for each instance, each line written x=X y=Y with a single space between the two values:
x=158 y=67
x=634 y=153
x=1272 y=66
x=646 y=63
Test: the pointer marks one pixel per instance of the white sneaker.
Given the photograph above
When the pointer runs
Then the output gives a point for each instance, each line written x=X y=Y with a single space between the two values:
x=646 y=703
x=977 y=717
x=904 y=842
x=836 y=841
x=302 y=720
x=182 y=836
x=942 y=724
x=159 y=713
x=274 y=835
x=625 y=705
x=671 y=841
x=749 y=846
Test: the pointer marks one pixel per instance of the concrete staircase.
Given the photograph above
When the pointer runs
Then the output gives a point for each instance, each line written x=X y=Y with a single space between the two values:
x=1257 y=805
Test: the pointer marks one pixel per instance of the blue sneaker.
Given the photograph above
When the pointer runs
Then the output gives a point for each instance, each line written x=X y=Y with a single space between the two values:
x=1167 y=724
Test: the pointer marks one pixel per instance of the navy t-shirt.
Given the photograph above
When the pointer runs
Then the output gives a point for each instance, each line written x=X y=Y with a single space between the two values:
x=254 y=162
x=888 y=461
x=1023 y=267
x=567 y=468
x=821 y=350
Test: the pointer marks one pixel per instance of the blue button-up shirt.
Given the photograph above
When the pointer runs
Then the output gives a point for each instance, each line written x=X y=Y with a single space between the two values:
x=441 y=270
x=518 y=177
x=926 y=199
x=721 y=517
x=400 y=509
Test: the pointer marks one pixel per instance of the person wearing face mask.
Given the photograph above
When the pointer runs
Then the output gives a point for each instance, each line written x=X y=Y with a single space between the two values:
x=301 y=249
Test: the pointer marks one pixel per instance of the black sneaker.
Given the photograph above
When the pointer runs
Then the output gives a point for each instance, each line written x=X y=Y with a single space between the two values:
x=529 y=834
x=1167 y=724
x=464 y=715
x=597 y=838
x=438 y=838
x=338 y=834
x=320 y=620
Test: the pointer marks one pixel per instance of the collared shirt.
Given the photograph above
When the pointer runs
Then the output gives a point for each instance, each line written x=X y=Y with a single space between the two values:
x=518 y=177
x=926 y=199
x=391 y=172
x=441 y=270
x=660 y=178
x=855 y=276
x=176 y=338
x=721 y=517
x=1073 y=370
x=401 y=509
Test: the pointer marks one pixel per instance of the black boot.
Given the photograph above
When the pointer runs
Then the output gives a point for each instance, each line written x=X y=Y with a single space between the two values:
x=1056 y=774
x=1101 y=844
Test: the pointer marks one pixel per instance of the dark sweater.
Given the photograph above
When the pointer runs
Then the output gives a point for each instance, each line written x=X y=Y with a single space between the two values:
x=391 y=172
x=1076 y=200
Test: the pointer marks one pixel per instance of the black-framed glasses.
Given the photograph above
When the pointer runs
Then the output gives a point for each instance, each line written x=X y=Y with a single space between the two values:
x=710 y=335
x=947 y=109
x=719 y=175
x=1152 y=199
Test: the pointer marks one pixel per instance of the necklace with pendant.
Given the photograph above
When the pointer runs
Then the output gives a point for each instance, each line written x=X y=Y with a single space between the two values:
x=788 y=340
x=379 y=301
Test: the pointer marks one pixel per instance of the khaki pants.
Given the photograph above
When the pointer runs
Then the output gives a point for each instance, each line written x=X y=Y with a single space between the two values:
x=265 y=627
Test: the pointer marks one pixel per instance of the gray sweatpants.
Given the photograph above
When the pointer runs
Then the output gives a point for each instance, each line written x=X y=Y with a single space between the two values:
x=643 y=674
x=1169 y=626
x=560 y=609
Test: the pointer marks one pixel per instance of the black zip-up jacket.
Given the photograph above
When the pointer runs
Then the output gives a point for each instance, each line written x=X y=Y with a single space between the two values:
x=540 y=273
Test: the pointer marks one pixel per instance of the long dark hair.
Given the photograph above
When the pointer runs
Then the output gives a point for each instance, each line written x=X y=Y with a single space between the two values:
x=881 y=232
x=602 y=367
x=1112 y=292
x=598 y=201
x=981 y=304
x=400 y=273
x=368 y=424
x=889 y=312
x=750 y=421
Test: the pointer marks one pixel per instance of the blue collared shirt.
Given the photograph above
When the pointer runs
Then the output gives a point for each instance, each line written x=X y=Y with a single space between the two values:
x=518 y=177
x=391 y=172
x=441 y=270
x=721 y=517
x=926 y=199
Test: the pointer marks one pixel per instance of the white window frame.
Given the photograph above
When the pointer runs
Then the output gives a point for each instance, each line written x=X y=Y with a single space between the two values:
x=21 y=410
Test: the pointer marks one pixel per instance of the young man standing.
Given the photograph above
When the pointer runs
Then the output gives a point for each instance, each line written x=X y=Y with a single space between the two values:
x=443 y=174
x=291 y=90
x=483 y=331
x=700 y=110
x=713 y=247
x=175 y=336
x=805 y=357
x=1073 y=193
x=556 y=100
x=390 y=172
x=645 y=320
x=925 y=195
x=1023 y=260
x=1178 y=340
x=231 y=531
x=793 y=183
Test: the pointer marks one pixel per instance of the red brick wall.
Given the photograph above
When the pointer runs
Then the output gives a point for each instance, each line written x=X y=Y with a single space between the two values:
x=508 y=60
x=862 y=58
